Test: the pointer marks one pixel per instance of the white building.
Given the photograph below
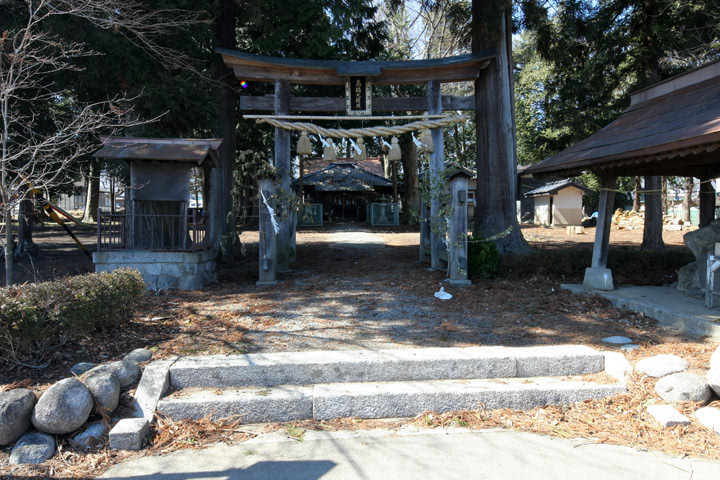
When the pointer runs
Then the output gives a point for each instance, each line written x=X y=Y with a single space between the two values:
x=558 y=203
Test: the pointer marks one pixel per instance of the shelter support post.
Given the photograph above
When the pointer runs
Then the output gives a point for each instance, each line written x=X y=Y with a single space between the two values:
x=707 y=202
x=437 y=182
x=286 y=212
x=457 y=236
x=267 y=247
x=598 y=275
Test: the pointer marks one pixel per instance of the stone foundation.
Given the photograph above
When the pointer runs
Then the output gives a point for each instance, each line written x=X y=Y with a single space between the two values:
x=163 y=270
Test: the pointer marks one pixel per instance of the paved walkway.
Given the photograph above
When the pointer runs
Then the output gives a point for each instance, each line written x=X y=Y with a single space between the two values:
x=671 y=308
x=414 y=454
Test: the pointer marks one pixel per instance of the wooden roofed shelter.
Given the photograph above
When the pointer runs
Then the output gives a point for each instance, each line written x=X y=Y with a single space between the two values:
x=156 y=233
x=278 y=252
x=670 y=128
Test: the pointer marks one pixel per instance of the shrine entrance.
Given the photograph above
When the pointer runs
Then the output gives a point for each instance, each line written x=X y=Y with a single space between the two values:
x=279 y=214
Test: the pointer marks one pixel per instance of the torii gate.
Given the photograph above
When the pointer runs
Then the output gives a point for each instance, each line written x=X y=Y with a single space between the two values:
x=278 y=251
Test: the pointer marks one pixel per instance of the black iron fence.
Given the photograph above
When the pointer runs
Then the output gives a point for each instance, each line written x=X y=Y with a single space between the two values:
x=120 y=231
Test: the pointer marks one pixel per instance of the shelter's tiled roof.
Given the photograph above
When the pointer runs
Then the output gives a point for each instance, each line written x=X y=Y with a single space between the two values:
x=656 y=132
x=160 y=149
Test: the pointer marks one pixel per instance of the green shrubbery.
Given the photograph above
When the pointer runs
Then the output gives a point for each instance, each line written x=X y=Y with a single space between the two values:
x=36 y=315
x=483 y=257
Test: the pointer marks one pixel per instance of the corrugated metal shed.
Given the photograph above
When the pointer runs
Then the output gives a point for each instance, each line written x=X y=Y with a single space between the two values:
x=551 y=188
x=675 y=131
x=198 y=151
x=344 y=177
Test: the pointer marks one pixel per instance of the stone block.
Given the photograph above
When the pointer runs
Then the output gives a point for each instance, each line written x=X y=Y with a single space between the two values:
x=153 y=384
x=253 y=405
x=408 y=399
x=129 y=434
x=342 y=366
x=300 y=368
x=617 y=366
x=557 y=360
x=667 y=416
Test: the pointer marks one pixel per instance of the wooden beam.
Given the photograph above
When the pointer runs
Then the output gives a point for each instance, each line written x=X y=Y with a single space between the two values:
x=337 y=104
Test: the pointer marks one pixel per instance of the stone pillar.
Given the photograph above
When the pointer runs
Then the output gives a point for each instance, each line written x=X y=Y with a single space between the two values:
x=286 y=215
x=267 y=256
x=437 y=187
x=424 y=230
x=598 y=275
x=707 y=202
x=457 y=235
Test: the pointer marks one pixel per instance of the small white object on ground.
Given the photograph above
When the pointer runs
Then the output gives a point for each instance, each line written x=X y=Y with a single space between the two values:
x=661 y=365
x=442 y=294
x=667 y=416
x=617 y=339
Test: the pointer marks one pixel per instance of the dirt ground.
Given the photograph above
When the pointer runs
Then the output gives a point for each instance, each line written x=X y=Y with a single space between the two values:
x=356 y=287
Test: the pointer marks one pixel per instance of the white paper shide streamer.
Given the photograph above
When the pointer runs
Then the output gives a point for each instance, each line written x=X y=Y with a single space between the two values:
x=271 y=210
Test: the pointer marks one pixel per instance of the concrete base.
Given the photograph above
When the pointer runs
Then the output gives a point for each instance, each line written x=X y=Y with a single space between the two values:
x=266 y=284
x=459 y=283
x=687 y=315
x=599 y=278
x=163 y=270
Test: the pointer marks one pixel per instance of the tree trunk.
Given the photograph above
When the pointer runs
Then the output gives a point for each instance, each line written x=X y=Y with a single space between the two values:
x=687 y=198
x=707 y=202
x=411 y=203
x=636 y=197
x=92 y=198
x=9 y=258
x=495 y=212
x=652 y=230
x=26 y=221
x=219 y=204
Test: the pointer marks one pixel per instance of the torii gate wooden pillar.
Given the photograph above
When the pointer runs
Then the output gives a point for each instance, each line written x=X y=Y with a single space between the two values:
x=284 y=71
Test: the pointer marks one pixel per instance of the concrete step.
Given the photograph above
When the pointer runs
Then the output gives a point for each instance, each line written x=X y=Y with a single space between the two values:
x=306 y=368
x=379 y=399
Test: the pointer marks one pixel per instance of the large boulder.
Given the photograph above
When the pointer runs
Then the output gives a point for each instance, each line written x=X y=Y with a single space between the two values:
x=139 y=355
x=16 y=408
x=661 y=365
x=33 y=448
x=683 y=387
x=91 y=437
x=715 y=360
x=126 y=372
x=701 y=243
x=105 y=389
x=713 y=379
x=63 y=408
x=82 y=367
